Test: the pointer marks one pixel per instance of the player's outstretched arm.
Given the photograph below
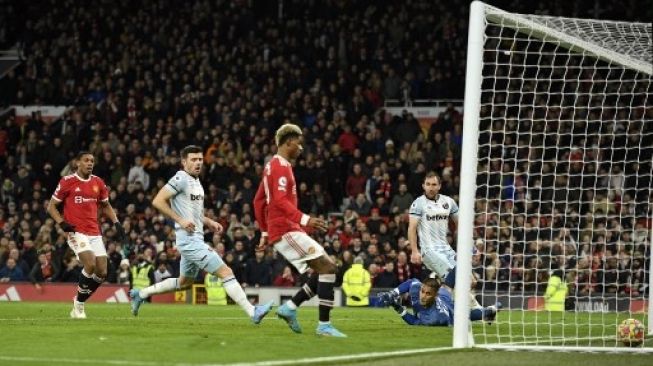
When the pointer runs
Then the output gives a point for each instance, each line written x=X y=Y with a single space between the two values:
x=409 y=318
x=393 y=297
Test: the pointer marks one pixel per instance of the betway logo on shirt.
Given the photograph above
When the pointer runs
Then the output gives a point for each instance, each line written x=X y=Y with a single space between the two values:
x=80 y=199
x=196 y=197
x=437 y=217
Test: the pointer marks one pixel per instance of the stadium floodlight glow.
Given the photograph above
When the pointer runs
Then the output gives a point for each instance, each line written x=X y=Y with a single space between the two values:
x=556 y=172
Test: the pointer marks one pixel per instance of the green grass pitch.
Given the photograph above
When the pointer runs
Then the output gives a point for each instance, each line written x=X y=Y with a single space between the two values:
x=176 y=335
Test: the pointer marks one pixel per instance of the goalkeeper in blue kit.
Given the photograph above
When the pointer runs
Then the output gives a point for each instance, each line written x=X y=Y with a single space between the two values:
x=432 y=303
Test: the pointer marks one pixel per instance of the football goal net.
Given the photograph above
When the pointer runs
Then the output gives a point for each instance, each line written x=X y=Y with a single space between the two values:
x=556 y=182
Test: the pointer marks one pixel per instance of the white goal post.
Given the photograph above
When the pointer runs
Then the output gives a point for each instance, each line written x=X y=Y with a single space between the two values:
x=556 y=180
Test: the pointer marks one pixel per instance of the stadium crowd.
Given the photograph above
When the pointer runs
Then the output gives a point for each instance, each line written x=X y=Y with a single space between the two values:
x=145 y=79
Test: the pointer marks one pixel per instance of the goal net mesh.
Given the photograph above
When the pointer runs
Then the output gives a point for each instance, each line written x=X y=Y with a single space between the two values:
x=563 y=191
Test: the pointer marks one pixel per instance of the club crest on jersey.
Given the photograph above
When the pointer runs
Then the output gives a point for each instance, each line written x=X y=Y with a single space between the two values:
x=96 y=189
x=283 y=182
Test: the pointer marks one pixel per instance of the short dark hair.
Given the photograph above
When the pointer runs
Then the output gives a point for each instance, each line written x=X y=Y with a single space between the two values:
x=433 y=283
x=82 y=153
x=190 y=149
x=432 y=174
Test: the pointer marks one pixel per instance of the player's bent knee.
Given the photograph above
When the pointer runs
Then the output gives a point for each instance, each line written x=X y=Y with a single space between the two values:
x=90 y=269
x=224 y=271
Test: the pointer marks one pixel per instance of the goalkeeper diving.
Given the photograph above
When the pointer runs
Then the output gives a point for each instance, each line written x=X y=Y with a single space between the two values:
x=432 y=303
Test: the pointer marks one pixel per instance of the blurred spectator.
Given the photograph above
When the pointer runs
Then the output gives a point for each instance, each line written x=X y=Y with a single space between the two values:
x=114 y=259
x=215 y=292
x=285 y=279
x=374 y=222
x=137 y=174
x=142 y=272
x=356 y=284
x=161 y=272
x=355 y=185
x=72 y=269
x=123 y=273
x=402 y=268
x=401 y=201
x=361 y=205
x=44 y=270
x=14 y=254
x=387 y=277
x=258 y=271
x=373 y=269
x=11 y=272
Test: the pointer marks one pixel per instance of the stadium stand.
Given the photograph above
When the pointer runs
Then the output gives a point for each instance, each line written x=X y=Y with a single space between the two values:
x=143 y=79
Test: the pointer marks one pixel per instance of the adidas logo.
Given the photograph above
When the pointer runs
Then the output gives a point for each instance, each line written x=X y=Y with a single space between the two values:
x=77 y=189
x=10 y=295
x=120 y=296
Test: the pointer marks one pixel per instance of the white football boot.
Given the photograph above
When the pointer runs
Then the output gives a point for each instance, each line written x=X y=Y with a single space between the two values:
x=78 y=310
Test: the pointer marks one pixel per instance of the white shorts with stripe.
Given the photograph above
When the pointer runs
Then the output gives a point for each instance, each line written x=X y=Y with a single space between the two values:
x=299 y=248
x=79 y=242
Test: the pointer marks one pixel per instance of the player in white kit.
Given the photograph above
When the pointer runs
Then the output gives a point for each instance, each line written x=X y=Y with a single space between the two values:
x=182 y=199
x=429 y=224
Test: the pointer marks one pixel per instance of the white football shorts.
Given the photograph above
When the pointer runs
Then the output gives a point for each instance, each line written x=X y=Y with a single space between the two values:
x=439 y=261
x=299 y=248
x=79 y=242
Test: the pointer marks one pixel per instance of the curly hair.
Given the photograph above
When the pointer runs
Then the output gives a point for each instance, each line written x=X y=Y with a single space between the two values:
x=286 y=132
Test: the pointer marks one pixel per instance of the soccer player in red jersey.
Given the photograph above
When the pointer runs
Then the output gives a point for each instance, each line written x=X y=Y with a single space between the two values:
x=82 y=194
x=275 y=207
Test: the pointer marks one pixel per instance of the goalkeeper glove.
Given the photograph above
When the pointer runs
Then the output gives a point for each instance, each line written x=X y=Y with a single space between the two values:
x=66 y=227
x=120 y=231
x=400 y=309
x=388 y=298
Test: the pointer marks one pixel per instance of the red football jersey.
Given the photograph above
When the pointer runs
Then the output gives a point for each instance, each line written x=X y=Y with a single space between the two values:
x=81 y=199
x=275 y=204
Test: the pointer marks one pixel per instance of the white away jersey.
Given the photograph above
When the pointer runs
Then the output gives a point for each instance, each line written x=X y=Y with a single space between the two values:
x=188 y=199
x=433 y=218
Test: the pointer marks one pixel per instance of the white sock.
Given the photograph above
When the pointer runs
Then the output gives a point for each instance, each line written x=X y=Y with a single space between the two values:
x=236 y=293
x=167 y=285
x=291 y=305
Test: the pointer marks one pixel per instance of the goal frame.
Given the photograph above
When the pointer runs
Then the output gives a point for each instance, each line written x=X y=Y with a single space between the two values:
x=479 y=12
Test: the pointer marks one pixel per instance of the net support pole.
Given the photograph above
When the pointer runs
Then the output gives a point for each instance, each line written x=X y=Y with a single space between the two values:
x=467 y=194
